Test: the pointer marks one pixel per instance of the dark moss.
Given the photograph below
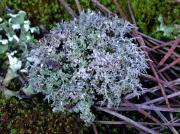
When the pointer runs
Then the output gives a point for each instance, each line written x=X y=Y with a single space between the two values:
x=34 y=116
x=146 y=12
x=44 y=12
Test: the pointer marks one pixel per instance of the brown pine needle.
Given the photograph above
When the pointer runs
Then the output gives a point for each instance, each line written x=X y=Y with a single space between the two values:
x=170 y=51
x=128 y=120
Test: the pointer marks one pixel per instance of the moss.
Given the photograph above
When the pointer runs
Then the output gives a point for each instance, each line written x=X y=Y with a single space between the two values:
x=146 y=13
x=109 y=4
x=45 y=12
x=48 y=12
x=34 y=116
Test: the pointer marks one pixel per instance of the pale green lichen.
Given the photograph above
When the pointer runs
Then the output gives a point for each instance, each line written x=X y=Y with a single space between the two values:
x=15 y=38
x=16 y=33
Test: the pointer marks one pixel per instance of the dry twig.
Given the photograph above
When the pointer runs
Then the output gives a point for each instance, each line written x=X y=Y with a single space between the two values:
x=131 y=12
x=102 y=7
x=120 y=9
x=78 y=6
x=68 y=8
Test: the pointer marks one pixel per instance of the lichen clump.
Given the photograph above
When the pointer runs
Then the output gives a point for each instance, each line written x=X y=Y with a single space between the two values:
x=84 y=61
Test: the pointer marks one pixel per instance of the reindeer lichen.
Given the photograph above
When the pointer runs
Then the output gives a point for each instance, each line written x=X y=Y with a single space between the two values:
x=84 y=61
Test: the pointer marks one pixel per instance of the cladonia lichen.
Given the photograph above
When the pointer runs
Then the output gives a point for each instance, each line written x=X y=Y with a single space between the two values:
x=84 y=61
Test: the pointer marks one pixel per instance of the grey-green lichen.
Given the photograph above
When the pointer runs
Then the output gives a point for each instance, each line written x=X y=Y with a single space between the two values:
x=16 y=35
x=84 y=61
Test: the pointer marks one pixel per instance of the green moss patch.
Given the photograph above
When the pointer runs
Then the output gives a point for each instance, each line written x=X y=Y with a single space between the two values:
x=34 y=116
